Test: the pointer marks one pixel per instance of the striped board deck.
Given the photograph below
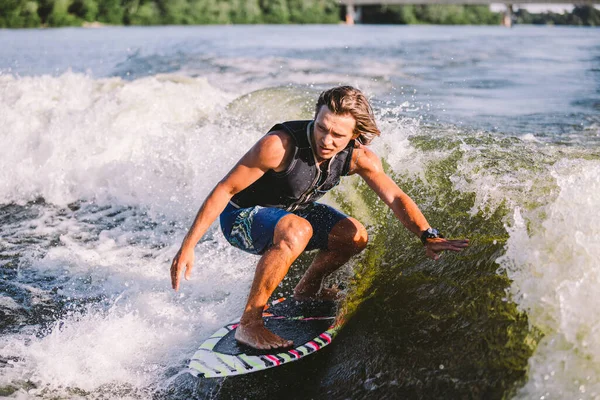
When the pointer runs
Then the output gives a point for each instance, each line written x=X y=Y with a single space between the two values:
x=310 y=324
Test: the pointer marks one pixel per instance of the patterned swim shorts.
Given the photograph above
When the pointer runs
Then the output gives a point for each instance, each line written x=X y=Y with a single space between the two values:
x=252 y=229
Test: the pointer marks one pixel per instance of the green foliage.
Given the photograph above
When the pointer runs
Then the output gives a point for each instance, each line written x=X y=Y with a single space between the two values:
x=147 y=13
x=172 y=12
x=208 y=12
x=275 y=11
x=34 y=13
x=443 y=14
x=313 y=11
x=110 y=12
x=245 y=12
x=407 y=14
x=30 y=13
x=44 y=10
x=19 y=14
x=581 y=16
x=85 y=9
x=60 y=16
x=589 y=15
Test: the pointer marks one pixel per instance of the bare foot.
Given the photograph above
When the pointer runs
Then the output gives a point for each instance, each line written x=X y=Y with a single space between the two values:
x=327 y=294
x=254 y=334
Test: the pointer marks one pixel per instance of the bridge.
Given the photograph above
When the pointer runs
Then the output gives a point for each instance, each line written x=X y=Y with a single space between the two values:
x=353 y=7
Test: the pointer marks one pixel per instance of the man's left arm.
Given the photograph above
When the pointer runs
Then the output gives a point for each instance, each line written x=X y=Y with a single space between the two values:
x=368 y=166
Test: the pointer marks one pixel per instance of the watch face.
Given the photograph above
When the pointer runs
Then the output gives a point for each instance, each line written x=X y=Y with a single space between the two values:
x=433 y=232
x=430 y=233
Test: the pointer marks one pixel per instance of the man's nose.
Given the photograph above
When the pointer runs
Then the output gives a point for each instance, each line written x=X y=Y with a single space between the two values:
x=327 y=140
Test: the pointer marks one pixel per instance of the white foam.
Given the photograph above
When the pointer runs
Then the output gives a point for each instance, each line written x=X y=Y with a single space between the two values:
x=146 y=142
x=394 y=143
x=140 y=157
x=135 y=326
x=556 y=279
x=503 y=171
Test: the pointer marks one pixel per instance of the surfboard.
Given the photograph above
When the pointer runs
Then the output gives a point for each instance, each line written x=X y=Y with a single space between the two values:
x=311 y=325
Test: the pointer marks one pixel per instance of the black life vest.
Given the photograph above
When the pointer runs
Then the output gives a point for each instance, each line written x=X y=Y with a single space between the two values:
x=303 y=182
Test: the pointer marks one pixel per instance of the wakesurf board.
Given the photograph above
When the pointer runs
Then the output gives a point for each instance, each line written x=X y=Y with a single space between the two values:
x=311 y=325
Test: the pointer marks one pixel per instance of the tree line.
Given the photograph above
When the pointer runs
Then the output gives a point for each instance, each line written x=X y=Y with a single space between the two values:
x=57 y=13
x=440 y=14
x=580 y=16
x=450 y=14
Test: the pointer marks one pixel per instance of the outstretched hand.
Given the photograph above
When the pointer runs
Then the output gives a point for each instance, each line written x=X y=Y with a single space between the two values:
x=183 y=259
x=434 y=246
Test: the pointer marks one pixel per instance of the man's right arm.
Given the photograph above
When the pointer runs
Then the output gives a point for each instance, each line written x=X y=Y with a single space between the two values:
x=268 y=153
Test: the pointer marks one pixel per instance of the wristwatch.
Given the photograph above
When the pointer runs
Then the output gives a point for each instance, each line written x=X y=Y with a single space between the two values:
x=430 y=233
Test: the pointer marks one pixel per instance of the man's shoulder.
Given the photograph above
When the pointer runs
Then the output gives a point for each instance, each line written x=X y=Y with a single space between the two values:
x=279 y=138
x=364 y=160
x=278 y=145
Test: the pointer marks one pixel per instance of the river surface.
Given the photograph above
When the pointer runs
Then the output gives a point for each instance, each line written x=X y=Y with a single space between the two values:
x=111 y=138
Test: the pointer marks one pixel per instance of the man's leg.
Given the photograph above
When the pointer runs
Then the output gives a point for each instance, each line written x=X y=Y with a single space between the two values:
x=347 y=238
x=291 y=236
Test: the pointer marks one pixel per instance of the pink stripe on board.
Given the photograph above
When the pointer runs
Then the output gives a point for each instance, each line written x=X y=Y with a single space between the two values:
x=294 y=352
x=278 y=301
x=234 y=326
x=314 y=344
x=325 y=337
x=274 y=359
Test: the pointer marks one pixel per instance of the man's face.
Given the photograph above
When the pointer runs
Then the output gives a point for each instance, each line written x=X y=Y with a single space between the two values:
x=332 y=133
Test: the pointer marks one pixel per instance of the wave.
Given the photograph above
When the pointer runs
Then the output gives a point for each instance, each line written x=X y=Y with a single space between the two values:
x=554 y=269
x=102 y=177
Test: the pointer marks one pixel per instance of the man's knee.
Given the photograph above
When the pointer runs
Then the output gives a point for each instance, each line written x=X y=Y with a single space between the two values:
x=293 y=232
x=349 y=236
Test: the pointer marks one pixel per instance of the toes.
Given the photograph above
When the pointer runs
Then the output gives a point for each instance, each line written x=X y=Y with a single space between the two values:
x=262 y=340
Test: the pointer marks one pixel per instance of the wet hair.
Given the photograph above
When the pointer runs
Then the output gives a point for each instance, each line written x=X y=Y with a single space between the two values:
x=349 y=100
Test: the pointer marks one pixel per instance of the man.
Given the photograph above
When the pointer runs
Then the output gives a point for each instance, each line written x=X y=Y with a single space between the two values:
x=267 y=205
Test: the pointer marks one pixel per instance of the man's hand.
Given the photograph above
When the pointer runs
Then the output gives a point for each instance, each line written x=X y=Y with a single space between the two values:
x=434 y=246
x=183 y=259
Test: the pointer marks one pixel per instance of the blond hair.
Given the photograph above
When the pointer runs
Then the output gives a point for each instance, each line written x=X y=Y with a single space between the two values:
x=349 y=100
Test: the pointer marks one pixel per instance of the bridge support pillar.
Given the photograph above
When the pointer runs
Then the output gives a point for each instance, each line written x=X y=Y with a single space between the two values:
x=350 y=14
x=353 y=14
x=508 y=14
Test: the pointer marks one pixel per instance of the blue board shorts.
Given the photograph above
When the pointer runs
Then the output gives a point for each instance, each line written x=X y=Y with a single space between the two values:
x=252 y=229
